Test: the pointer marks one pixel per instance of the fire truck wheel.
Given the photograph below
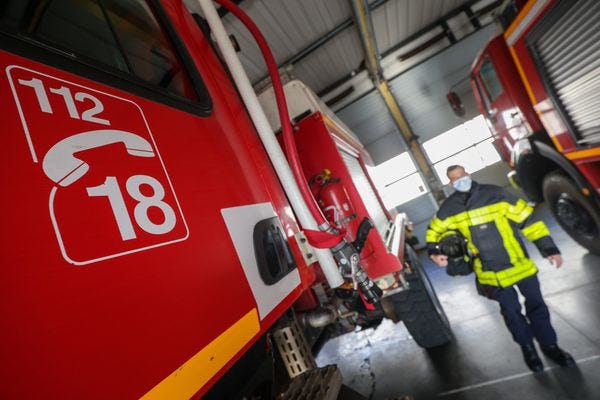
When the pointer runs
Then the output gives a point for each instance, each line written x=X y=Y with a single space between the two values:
x=575 y=213
x=419 y=308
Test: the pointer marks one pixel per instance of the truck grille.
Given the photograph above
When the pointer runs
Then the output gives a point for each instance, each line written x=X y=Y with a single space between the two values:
x=567 y=45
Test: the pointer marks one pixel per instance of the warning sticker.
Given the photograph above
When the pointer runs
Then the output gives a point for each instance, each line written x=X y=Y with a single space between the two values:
x=111 y=194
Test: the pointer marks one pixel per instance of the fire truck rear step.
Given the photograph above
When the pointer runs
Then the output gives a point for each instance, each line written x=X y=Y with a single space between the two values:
x=318 y=384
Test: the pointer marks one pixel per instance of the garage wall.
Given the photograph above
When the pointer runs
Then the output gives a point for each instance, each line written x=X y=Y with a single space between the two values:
x=371 y=122
x=420 y=211
x=421 y=92
x=496 y=175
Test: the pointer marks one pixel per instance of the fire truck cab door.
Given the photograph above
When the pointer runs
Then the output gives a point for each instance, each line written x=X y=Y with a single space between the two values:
x=122 y=142
x=503 y=114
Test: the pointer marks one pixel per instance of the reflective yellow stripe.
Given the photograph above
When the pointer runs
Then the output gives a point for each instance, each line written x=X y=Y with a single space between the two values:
x=436 y=227
x=522 y=74
x=499 y=213
x=536 y=231
x=510 y=242
x=519 y=212
x=512 y=275
x=431 y=236
x=184 y=382
x=484 y=277
x=517 y=21
x=467 y=234
x=507 y=277
x=575 y=155
x=489 y=213
x=522 y=266
x=558 y=145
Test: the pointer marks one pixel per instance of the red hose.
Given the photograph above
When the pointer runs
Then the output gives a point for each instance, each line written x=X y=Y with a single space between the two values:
x=286 y=127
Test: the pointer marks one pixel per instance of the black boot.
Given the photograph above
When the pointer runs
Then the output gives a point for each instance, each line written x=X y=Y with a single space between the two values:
x=531 y=358
x=559 y=356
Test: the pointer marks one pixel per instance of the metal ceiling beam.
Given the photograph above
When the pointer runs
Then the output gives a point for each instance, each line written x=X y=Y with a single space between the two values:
x=443 y=20
x=328 y=36
x=473 y=17
x=373 y=65
x=323 y=39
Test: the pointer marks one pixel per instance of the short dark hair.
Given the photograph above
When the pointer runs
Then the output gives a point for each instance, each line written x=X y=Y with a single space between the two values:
x=453 y=167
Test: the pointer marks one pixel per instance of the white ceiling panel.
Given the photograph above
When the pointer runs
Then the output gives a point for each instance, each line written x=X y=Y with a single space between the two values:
x=290 y=26
x=332 y=61
x=396 y=20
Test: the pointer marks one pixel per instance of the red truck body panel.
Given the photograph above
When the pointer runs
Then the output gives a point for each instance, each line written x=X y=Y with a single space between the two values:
x=320 y=144
x=128 y=262
x=510 y=115
x=89 y=314
x=525 y=90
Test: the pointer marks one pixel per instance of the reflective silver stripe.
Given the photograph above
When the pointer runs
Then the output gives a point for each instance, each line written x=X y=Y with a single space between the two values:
x=531 y=15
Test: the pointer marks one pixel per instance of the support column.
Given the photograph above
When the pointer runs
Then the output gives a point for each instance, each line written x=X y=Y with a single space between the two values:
x=373 y=65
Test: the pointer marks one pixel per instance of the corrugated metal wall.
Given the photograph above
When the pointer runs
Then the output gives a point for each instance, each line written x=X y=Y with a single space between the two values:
x=370 y=120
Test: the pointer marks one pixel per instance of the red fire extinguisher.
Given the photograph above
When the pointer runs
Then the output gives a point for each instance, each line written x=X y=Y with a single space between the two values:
x=335 y=202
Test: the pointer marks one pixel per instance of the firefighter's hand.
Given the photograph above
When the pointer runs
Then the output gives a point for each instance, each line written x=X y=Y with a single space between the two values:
x=440 y=259
x=555 y=260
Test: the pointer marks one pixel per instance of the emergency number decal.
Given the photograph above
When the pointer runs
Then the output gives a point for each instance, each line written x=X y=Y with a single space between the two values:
x=110 y=194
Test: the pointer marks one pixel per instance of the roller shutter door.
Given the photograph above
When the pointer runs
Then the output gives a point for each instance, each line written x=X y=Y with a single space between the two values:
x=566 y=45
x=366 y=192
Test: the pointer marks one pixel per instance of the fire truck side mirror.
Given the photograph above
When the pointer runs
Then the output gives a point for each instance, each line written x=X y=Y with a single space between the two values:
x=456 y=104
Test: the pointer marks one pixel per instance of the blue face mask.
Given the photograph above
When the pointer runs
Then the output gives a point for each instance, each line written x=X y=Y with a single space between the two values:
x=463 y=184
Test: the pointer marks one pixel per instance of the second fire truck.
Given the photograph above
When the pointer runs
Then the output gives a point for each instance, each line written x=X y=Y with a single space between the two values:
x=538 y=86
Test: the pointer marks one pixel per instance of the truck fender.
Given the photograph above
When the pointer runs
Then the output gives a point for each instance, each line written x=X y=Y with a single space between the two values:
x=533 y=167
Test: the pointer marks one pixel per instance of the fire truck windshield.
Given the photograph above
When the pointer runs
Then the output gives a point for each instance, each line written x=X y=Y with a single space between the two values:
x=123 y=35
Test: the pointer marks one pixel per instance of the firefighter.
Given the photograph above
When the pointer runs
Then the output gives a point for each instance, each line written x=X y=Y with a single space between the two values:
x=489 y=218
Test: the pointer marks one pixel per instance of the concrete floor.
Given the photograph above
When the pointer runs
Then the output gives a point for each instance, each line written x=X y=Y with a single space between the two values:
x=483 y=362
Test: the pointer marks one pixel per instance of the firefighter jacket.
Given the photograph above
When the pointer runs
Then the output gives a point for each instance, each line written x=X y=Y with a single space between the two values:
x=490 y=218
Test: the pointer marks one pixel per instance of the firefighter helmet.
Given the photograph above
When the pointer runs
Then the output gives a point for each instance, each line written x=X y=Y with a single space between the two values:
x=454 y=245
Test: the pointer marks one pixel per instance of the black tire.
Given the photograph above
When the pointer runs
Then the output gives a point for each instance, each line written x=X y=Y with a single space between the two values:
x=575 y=213
x=419 y=308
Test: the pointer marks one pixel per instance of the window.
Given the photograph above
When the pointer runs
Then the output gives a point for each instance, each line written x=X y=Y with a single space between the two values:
x=469 y=144
x=78 y=28
x=149 y=52
x=123 y=35
x=490 y=80
x=363 y=185
x=398 y=180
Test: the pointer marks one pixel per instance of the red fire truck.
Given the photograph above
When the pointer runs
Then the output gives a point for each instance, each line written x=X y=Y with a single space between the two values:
x=538 y=86
x=156 y=243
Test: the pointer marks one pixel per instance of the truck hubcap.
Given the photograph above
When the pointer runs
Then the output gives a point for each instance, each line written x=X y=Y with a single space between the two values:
x=576 y=217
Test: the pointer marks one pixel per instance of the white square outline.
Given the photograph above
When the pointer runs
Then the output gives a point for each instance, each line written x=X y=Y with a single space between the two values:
x=240 y=222
x=53 y=191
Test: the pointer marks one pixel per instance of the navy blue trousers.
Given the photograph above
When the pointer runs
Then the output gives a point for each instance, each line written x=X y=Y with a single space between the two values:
x=537 y=324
